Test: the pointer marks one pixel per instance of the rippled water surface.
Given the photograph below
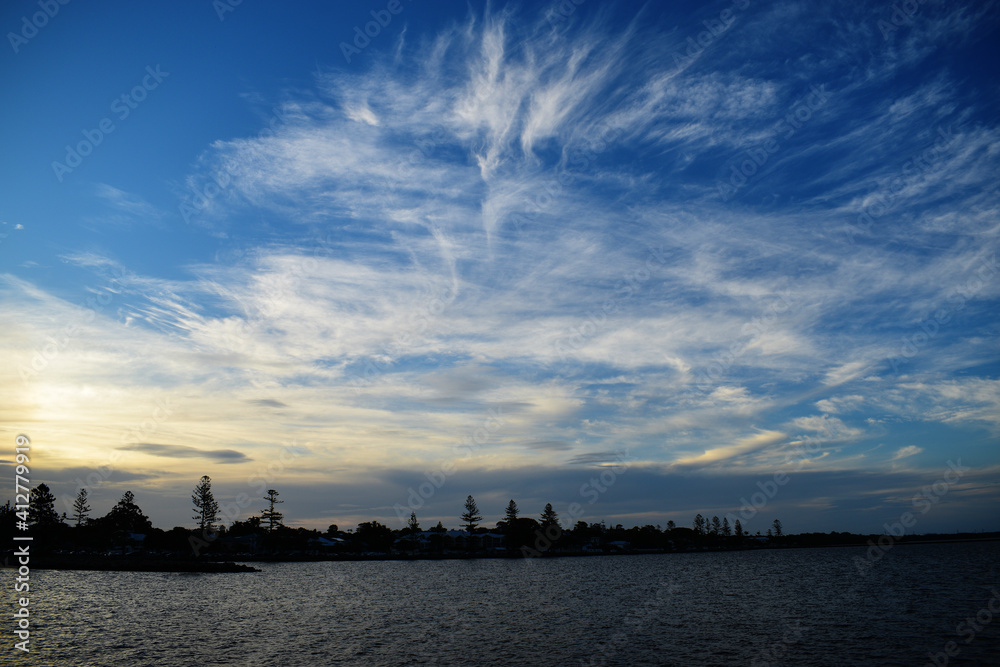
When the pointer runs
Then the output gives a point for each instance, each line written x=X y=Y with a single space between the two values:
x=793 y=607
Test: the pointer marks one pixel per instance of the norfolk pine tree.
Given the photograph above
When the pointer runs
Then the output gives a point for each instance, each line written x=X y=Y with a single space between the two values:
x=510 y=514
x=271 y=516
x=205 y=505
x=549 y=517
x=550 y=529
x=471 y=516
x=511 y=528
x=80 y=507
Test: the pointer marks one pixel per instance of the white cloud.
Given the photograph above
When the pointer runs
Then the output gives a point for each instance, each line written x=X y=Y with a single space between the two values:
x=904 y=452
x=743 y=446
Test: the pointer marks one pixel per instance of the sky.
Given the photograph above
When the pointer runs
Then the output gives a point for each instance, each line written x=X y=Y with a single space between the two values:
x=639 y=261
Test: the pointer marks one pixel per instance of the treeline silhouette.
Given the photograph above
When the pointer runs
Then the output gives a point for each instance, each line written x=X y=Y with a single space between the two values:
x=127 y=532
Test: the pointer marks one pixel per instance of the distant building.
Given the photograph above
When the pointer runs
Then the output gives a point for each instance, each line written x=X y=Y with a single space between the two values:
x=430 y=541
x=326 y=543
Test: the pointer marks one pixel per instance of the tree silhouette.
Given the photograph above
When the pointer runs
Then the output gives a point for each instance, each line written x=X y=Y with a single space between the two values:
x=377 y=536
x=549 y=532
x=42 y=508
x=726 y=530
x=510 y=515
x=471 y=516
x=127 y=516
x=671 y=525
x=738 y=528
x=549 y=517
x=271 y=516
x=205 y=505
x=511 y=526
x=699 y=524
x=241 y=528
x=80 y=507
x=414 y=527
x=716 y=525
x=777 y=528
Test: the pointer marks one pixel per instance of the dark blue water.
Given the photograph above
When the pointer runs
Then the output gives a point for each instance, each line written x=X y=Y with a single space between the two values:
x=792 y=607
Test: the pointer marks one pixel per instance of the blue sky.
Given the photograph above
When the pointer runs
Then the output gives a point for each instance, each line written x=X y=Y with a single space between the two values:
x=639 y=258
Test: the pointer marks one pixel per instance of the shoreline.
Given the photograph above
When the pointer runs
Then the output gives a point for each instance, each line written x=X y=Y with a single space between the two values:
x=136 y=563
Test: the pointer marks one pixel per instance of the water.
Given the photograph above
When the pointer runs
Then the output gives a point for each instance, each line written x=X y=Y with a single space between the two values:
x=793 y=607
